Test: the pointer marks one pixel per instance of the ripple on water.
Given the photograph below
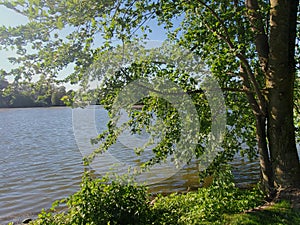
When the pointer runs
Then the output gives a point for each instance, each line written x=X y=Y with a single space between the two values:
x=40 y=161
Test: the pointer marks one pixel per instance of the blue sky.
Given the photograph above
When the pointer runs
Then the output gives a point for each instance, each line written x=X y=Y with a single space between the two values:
x=9 y=17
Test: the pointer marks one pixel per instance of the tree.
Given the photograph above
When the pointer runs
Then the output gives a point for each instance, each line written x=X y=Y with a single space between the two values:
x=249 y=46
x=3 y=86
x=43 y=89
x=57 y=94
x=31 y=94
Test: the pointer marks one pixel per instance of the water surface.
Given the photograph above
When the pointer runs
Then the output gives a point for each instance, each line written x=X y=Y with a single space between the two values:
x=40 y=160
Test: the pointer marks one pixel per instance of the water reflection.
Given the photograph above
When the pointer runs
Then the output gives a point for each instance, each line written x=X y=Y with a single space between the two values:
x=40 y=160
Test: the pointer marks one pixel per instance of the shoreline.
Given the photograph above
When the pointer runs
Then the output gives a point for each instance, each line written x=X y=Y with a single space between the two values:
x=19 y=217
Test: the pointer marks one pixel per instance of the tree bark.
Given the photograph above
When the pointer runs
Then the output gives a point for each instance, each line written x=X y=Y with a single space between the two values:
x=259 y=30
x=267 y=175
x=280 y=86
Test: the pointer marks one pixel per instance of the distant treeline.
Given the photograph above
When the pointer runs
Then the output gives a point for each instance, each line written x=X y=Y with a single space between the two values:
x=32 y=94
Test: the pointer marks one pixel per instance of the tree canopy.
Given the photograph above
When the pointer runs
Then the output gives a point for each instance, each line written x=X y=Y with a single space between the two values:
x=248 y=46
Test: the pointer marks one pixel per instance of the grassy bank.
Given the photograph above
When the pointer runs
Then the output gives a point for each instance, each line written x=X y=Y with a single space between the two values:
x=117 y=201
x=280 y=213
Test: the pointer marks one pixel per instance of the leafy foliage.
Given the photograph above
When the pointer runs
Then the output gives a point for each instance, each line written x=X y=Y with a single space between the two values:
x=207 y=205
x=120 y=201
x=157 y=116
x=102 y=201
x=232 y=39
x=74 y=39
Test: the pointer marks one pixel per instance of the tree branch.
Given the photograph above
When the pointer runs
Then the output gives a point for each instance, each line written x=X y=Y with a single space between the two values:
x=10 y=6
x=261 y=39
x=226 y=37
x=261 y=99
x=246 y=83
x=248 y=76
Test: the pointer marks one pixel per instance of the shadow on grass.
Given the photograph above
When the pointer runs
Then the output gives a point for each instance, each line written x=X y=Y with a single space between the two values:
x=279 y=213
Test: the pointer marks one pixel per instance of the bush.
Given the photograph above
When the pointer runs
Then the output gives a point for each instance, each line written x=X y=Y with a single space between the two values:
x=207 y=205
x=101 y=201
x=119 y=201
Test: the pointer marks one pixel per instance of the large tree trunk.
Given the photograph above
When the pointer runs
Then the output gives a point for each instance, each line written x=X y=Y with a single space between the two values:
x=280 y=82
x=267 y=175
x=260 y=107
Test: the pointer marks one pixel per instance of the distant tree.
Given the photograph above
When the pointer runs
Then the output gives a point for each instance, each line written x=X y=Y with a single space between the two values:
x=43 y=91
x=20 y=100
x=3 y=83
x=3 y=98
x=57 y=94
x=30 y=94
x=21 y=95
x=68 y=99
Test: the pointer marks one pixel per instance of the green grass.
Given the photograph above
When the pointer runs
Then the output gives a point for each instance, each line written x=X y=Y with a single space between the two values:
x=278 y=214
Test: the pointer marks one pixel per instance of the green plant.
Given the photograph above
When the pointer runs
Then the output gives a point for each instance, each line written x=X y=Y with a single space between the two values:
x=207 y=205
x=118 y=200
x=102 y=201
x=279 y=213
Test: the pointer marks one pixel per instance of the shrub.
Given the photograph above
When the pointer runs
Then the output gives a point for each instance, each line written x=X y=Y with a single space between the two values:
x=207 y=205
x=121 y=201
x=101 y=201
